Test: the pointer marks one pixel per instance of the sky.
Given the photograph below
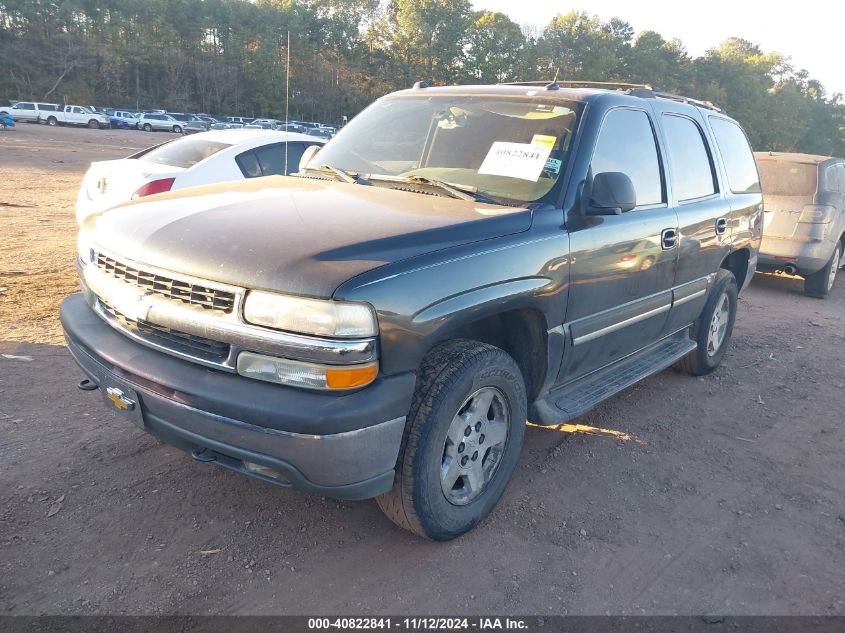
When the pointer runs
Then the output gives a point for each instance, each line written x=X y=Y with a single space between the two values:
x=814 y=38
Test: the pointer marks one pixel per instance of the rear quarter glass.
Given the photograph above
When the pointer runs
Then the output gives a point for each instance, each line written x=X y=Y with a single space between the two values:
x=736 y=155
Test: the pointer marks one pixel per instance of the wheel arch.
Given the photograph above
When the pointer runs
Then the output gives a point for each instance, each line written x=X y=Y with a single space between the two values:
x=737 y=262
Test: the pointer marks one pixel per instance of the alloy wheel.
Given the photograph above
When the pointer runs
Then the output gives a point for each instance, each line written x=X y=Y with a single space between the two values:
x=474 y=445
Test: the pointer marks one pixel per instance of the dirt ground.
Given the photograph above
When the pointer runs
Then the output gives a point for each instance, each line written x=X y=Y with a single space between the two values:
x=723 y=494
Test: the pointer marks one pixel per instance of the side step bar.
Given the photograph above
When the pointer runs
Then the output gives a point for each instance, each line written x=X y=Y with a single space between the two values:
x=575 y=399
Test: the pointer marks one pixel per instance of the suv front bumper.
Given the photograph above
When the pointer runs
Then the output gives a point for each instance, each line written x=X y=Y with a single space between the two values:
x=340 y=445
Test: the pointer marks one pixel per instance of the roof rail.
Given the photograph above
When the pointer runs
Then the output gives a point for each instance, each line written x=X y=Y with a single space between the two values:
x=609 y=85
x=656 y=94
x=635 y=90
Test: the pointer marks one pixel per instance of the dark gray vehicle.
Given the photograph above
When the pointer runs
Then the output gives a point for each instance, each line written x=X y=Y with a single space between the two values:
x=454 y=262
x=804 y=217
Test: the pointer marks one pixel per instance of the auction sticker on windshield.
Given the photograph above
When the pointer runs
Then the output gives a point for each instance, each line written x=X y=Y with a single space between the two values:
x=516 y=160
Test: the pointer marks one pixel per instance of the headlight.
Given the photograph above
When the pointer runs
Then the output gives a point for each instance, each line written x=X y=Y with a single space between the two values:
x=310 y=316
x=83 y=249
x=307 y=375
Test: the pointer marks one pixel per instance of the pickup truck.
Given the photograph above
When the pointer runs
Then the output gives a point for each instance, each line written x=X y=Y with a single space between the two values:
x=456 y=261
x=76 y=115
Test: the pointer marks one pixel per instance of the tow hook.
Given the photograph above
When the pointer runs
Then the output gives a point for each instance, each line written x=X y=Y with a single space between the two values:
x=88 y=385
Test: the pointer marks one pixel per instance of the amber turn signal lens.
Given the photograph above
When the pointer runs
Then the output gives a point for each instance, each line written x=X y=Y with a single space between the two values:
x=351 y=377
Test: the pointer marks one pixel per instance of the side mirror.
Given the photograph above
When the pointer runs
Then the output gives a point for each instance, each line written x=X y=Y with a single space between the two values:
x=612 y=193
x=309 y=153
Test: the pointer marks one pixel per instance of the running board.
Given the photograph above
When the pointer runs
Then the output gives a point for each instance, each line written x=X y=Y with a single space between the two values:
x=575 y=399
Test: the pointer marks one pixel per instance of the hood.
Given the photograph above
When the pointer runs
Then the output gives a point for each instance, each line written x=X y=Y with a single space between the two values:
x=294 y=235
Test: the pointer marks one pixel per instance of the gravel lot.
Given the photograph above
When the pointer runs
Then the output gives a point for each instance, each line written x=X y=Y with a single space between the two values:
x=681 y=496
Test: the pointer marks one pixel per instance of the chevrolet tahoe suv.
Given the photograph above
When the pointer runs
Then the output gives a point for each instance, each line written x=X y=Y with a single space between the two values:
x=456 y=261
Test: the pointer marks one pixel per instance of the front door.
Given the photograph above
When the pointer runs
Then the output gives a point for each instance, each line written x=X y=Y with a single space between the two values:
x=623 y=266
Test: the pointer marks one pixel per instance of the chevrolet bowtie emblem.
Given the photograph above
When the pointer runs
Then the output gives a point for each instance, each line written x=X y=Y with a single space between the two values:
x=119 y=399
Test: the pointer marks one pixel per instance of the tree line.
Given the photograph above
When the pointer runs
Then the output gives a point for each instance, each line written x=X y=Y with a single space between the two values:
x=229 y=57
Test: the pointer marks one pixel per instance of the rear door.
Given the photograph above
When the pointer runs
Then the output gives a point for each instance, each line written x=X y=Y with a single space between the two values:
x=701 y=206
x=622 y=267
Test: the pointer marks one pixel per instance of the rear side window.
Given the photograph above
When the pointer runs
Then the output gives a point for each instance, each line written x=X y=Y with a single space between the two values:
x=270 y=160
x=184 y=152
x=737 y=156
x=626 y=144
x=692 y=170
x=47 y=107
x=835 y=178
x=24 y=106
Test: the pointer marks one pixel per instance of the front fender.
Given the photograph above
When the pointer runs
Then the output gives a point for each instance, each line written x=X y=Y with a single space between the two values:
x=424 y=301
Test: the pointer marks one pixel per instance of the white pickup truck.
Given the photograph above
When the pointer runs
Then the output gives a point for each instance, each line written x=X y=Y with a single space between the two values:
x=76 y=115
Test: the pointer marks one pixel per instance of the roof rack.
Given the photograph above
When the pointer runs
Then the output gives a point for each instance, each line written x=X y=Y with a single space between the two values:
x=609 y=85
x=652 y=94
x=644 y=91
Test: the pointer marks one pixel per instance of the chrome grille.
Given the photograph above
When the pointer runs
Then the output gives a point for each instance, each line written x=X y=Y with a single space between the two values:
x=187 y=292
x=182 y=342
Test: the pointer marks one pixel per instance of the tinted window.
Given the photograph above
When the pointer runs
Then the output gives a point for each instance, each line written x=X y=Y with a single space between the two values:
x=737 y=156
x=626 y=144
x=270 y=160
x=248 y=164
x=835 y=178
x=692 y=171
x=48 y=107
x=183 y=153
x=78 y=111
x=24 y=106
x=782 y=178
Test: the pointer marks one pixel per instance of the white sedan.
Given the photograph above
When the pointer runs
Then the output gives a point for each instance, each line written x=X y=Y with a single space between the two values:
x=201 y=159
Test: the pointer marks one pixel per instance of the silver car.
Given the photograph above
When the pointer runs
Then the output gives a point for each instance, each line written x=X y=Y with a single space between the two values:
x=150 y=122
x=804 y=217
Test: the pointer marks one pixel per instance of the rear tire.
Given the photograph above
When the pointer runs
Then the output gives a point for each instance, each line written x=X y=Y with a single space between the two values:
x=820 y=283
x=462 y=440
x=148 y=127
x=52 y=121
x=714 y=327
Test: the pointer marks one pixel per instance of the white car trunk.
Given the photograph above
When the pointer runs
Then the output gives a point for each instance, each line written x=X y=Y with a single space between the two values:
x=109 y=183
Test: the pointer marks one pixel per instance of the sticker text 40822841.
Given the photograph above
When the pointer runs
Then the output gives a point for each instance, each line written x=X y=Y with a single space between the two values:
x=519 y=160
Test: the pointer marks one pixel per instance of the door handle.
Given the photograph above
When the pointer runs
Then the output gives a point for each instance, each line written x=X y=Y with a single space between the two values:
x=668 y=239
x=721 y=226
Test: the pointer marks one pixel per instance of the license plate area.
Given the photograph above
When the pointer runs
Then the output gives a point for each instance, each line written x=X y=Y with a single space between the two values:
x=122 y=399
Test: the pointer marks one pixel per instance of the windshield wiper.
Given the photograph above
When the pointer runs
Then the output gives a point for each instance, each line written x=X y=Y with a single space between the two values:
x=340 y=174
x=462 y=192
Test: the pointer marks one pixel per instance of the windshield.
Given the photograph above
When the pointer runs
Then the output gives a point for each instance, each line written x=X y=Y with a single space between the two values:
x=184 y=152
x=780 y=178
x=512 y=148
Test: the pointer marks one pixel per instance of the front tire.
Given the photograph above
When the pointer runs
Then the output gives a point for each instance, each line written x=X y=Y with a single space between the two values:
x=462 y=440
x=177 y=129
x=714 y=327
x=820 y=283
x=94 y=124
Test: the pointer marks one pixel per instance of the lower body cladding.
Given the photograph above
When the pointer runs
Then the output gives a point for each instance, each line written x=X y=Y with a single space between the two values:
x=343 y=446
